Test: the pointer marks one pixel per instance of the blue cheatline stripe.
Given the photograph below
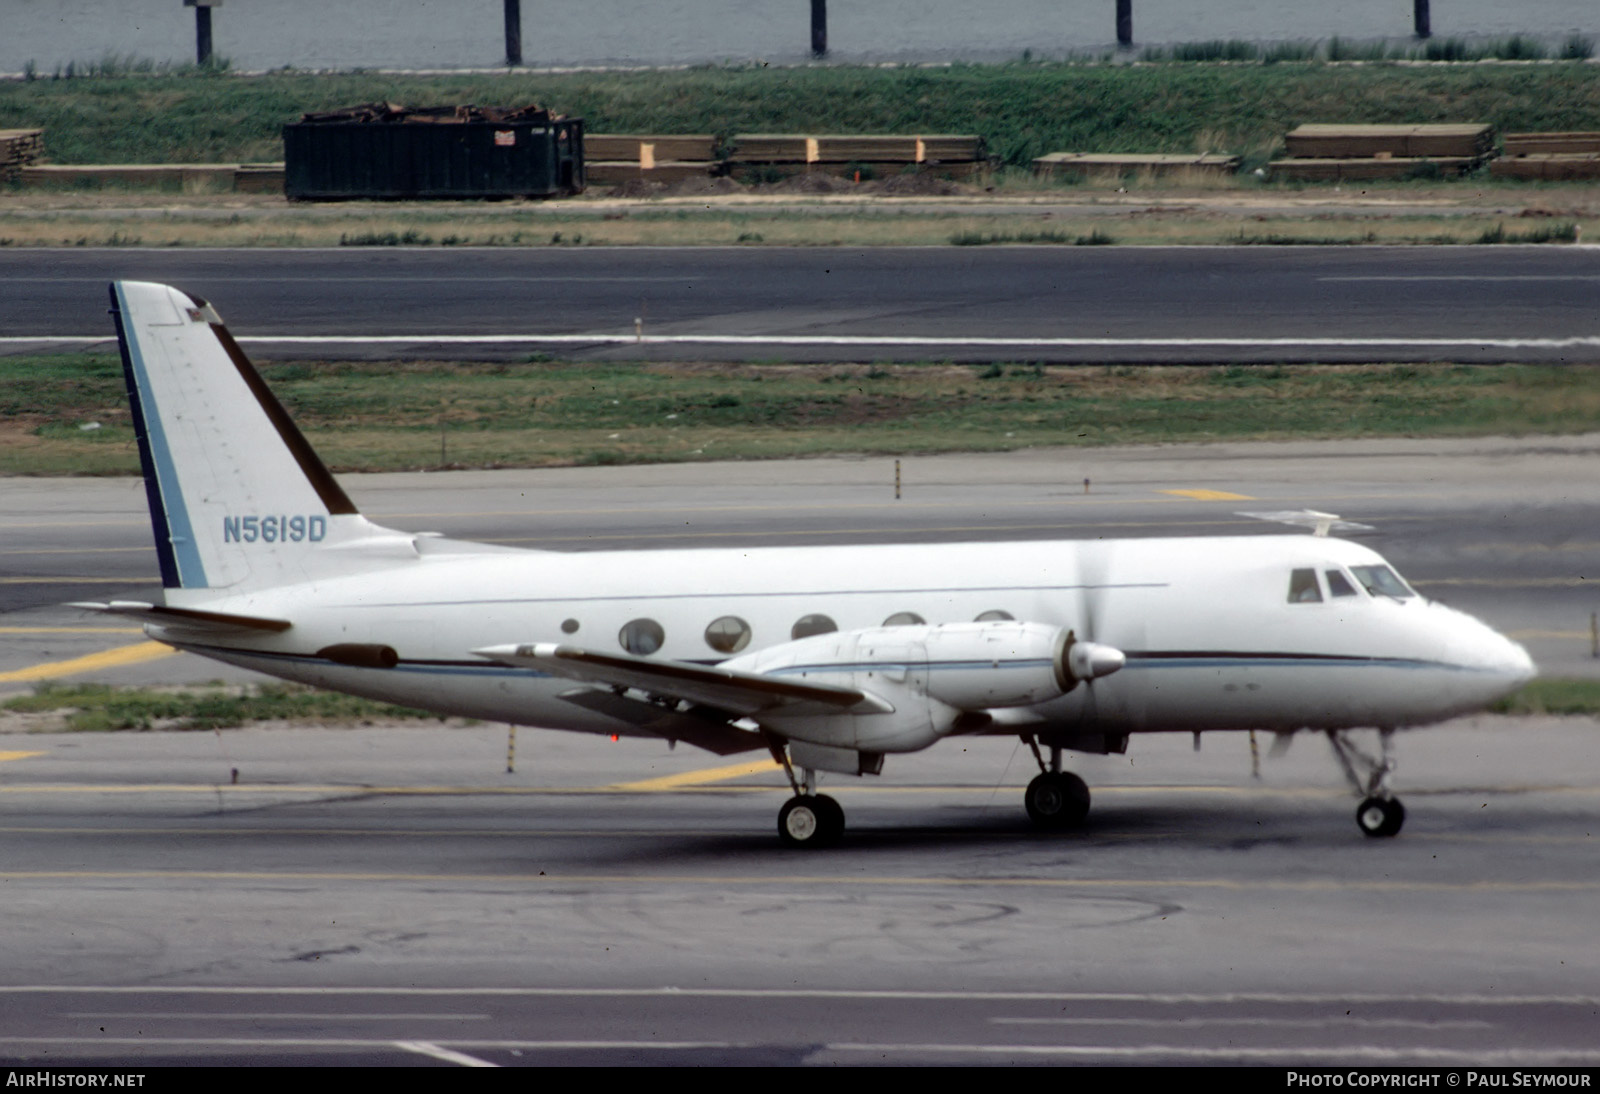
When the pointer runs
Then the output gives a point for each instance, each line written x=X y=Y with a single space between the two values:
x=175 y=543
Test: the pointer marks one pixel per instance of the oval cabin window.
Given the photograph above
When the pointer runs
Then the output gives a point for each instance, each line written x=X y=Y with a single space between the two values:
x=729 y=634
x=808 y=625
x=641 y=636
x=904 y=619
x=994 y=615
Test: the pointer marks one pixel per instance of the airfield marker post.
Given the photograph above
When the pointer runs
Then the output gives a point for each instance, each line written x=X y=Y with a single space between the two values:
x=1125 y=23
x=819 y=28
x=1421 y=19
x=896 y=480
x=513 y=32
x=202 y=28
x=511 y=749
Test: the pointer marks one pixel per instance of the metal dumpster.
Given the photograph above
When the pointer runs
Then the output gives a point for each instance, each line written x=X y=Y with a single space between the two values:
x=386 y=151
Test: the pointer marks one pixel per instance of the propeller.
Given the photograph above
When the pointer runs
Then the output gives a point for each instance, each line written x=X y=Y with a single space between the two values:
x=1086 y=658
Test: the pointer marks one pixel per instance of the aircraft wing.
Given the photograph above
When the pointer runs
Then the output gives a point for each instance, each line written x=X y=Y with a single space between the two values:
x=191 y=618
x=742 y=694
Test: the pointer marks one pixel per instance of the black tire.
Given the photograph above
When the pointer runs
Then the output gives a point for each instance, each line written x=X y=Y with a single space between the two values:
x=1057 y=801
x=1379 y=817
x=814 y=820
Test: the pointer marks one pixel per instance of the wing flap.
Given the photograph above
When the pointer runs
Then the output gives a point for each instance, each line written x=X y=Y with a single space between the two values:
x=744 y=694
x=702 y=732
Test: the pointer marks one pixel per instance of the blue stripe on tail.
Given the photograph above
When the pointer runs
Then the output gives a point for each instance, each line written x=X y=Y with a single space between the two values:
x=169 y=518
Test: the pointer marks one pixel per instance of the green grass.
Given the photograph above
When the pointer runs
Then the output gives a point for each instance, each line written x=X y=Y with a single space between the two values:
x=1552 y=697
x=1024 y=110
x=96 y=708
x=1095 y=238
x=396 y=415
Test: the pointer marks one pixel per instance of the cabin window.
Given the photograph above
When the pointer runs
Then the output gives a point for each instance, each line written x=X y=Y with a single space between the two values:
x=641 y=636
x=1303 y=587
x=1338 y=584
x=1382 y=581
x=569 y=626
x=729 y=634
x=808 y=625
x=993 y=615
x=904 y=619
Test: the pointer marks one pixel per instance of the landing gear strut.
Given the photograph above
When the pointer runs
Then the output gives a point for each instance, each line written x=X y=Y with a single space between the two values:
x=1380 y=812
x=808 y=819
x=1055 y=799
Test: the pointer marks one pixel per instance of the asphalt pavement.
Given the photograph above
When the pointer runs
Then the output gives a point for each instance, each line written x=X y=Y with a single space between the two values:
x=1093 y=304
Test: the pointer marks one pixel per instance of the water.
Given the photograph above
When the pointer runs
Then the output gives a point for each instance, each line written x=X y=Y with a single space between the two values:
x=263 y=34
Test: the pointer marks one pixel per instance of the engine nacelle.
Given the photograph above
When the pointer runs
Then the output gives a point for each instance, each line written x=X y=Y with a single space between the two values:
x=930 y=675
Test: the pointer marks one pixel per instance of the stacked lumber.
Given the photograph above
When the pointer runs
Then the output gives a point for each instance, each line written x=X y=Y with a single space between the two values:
x=612 y=159
x=955 y=155
x=1078 y=164
x=1389 y=141
x=18 y=149
x=1549 y=156
x=258 y=178
x=1355 y=152
x=246 y=178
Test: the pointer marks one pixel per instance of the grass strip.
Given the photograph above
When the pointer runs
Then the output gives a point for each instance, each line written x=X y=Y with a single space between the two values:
x=97 y=708
x=67 y=413
x=1024 y=110
x=1553 y=696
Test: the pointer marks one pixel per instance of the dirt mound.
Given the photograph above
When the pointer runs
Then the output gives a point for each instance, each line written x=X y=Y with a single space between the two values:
x=919 y=184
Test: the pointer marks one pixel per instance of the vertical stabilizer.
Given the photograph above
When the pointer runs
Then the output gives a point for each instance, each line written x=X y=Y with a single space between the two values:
x=238 y=499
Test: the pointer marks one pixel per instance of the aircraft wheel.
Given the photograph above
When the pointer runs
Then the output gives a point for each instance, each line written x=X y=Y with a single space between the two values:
x=1380 y=816
x=810 y=821
x=1057 y=800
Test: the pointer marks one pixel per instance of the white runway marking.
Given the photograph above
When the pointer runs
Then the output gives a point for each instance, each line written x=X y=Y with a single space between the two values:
x=428 y=1048
x=1463 y=277
x=1169 y=998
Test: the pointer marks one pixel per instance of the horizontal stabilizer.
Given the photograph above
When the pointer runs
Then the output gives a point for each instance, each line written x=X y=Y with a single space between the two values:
x=1319 y=523
x=740 y=693
x=185 y=617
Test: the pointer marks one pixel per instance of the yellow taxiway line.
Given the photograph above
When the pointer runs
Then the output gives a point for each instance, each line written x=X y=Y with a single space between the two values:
x=1209 y=495
x=106 y=659
x=704 y=775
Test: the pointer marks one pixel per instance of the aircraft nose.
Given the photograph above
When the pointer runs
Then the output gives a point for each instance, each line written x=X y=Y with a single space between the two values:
x=1488 y=649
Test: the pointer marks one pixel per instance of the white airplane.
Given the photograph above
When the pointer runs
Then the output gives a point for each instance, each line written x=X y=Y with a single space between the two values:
x=830 y=658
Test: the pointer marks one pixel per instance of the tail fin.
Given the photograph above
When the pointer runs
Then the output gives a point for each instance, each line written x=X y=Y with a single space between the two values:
x=238 y=499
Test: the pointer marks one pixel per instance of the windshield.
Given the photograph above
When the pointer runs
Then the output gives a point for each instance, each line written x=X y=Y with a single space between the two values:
x=1382 y=581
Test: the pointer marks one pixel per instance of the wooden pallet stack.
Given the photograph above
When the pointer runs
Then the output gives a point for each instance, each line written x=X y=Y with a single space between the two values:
x=614 y=159
x=1549 y=156
x=956 y=156
x=1340 y=153
x=18 y=149
x=1160 y=164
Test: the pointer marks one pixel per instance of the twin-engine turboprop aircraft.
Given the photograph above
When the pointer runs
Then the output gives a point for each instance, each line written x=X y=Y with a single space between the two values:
x=830 y=658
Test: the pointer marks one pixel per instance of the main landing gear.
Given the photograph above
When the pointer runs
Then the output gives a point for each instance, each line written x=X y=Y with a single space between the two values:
x=1380 y=812
x=1055 y=799
x=808 y=819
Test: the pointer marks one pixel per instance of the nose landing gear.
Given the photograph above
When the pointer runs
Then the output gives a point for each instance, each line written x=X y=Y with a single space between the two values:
x=1380 y=812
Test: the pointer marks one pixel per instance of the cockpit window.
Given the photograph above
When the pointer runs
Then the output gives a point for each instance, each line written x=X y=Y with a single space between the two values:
x=1338 y=584
x=1303 y=587
x=1382 y=581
